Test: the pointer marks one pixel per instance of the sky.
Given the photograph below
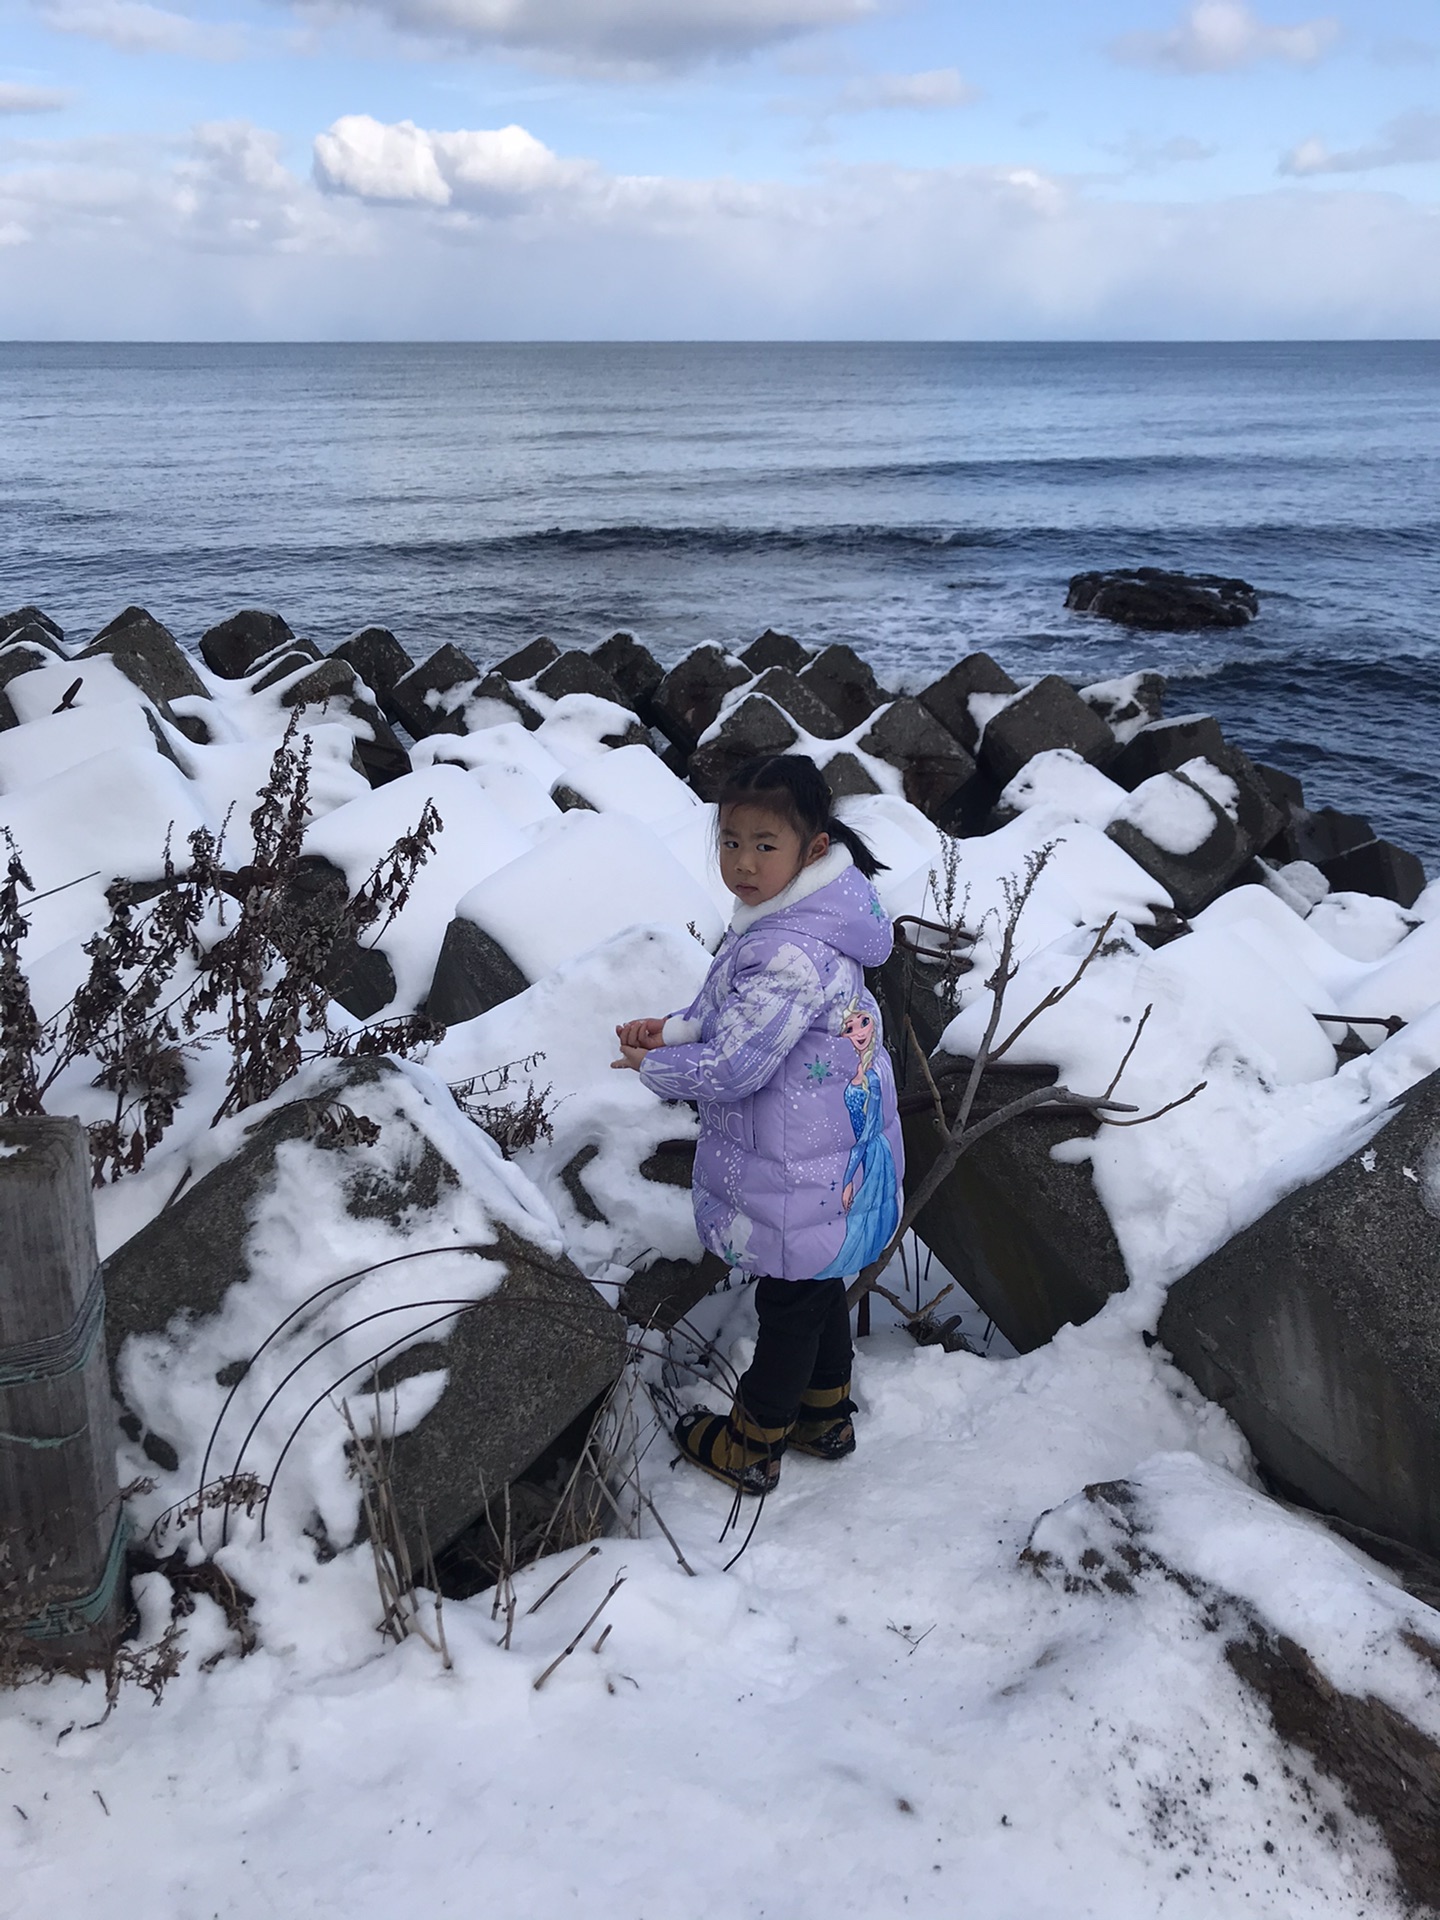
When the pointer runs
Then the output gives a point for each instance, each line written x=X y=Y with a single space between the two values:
x=774 y=169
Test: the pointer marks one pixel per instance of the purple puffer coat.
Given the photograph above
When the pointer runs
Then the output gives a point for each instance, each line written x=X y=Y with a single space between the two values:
x=798 y=1170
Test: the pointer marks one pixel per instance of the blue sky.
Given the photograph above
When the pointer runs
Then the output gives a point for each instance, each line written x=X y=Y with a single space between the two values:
x=772 y=168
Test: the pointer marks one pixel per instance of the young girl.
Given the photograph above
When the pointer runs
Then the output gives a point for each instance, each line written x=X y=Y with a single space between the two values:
x=797 y=1172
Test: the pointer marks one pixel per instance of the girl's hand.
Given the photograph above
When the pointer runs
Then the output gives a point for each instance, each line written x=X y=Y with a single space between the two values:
x=630 y=1057
x=641 y=1034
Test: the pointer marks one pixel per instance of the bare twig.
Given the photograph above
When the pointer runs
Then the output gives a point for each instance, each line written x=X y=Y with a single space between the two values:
x=1053 y=997
x=1130 y=1050
x=615 y=1587
x=937 y=1100
x=668 y=1535
x=589 y=1554
x=1144 y=1119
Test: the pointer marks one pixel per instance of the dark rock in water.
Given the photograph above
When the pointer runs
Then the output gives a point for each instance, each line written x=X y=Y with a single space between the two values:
x=577 y=672
x=1050 y=714
x=232 y=648
x=152 y=658
x=522 y=1364
x=1165 y=746
x=418 y=700
x=1026 y=1236
x=1192 y=879
x=634 y=669
x=948 y=698
x=377 y=656
x=1318 y=1330
x=13 y=624
x=846 y=684
x=1283 y=788
x=775 y=650
x=804 y=706
x=1378 y=867
x=472 y=974
x=1258 y=814
x=1164 y=602
x=1140 y=707
x=1323 y=833
x=665 y=1291
x=689 y=698
x=1169 y=745
x=848 y=777
x=931 y=762
x=753 y=727
x=528 y=660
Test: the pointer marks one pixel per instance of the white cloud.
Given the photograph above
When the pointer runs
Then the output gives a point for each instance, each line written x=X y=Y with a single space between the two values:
x=224 y=190
x=1412 y=140
x=1222 y=36
x=134 y=26
x=15 y=98
x=625 y=36
x=499 y=171
x=489 y=234
x=1144 y=156
x=941 y=87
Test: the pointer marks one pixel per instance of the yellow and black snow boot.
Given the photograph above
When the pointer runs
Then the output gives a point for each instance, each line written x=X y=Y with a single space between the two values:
x=733 y=1447
x=824 y=1427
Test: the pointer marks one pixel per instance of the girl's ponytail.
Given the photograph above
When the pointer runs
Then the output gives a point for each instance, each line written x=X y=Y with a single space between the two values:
x=791 y=785
x=859 y=849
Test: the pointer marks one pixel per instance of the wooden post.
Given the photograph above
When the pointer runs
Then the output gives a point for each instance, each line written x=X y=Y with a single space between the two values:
x=62 y=1534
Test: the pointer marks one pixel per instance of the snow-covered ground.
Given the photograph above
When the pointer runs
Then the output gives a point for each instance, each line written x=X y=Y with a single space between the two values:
x=877 y=1710
x=879 y=1707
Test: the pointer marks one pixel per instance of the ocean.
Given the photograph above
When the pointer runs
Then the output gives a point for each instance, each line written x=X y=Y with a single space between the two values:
x=915 y=501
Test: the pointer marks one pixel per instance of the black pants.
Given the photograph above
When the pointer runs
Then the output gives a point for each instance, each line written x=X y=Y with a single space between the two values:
x=804 y=1342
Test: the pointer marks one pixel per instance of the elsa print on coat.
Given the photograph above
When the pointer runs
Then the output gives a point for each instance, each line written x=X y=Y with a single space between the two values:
x=870 y=1198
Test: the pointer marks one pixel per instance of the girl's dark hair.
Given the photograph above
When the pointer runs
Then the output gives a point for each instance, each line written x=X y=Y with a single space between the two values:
x=791 y=785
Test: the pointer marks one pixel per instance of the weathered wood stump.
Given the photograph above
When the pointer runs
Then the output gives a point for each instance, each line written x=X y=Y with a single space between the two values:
x=62 y=1536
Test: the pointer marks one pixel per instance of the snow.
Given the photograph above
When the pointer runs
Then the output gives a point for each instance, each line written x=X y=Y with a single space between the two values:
x=1254 y=999
x=302 y=1238
x=633 y=780
x=561 y=1031
x=107 y=818
x=1111 y=696
x=591 y=875
x=1086 y=877
x=63 y=740
x=1360 y=924
x=925 y=1724
x=880 y=1707
x=476 y=838
x=506 y=762
x=1172 y=815
x=576 y=725
x=37 y=694
x=1061 y=779
x=1407 y=982
x=1274 y=1112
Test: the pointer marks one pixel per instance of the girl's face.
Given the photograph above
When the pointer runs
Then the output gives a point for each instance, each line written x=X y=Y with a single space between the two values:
x=760 y=854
